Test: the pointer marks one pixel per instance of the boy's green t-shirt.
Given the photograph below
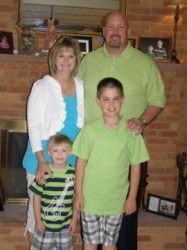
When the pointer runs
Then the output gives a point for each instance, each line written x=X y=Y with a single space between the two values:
x=109 y=154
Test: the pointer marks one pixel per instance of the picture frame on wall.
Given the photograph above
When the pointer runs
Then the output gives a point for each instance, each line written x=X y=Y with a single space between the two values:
x=27 y=42
x=85 y=43
x=162 y=206
x=159 y=48
x=6 y=42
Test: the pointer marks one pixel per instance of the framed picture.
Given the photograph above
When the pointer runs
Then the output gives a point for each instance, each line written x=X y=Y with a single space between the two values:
x=132 y=41
x=162 y=206
x=6 y=42
x=85 y=43
x=158 y=48
x=27 y=42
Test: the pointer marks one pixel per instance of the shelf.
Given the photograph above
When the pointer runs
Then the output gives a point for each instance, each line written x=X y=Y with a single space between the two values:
x=22 y=58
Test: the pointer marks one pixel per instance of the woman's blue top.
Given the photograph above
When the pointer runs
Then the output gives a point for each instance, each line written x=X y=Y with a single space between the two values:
x=70 y=129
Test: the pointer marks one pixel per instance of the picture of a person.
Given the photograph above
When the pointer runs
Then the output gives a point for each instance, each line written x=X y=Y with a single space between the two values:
x=4 y=43
x=160 y=51
x=150 y=51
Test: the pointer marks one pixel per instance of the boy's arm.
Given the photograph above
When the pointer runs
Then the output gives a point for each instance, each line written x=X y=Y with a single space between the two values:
x=73 y=224
x=79 y=175
x=130 y=204
x=37 y=213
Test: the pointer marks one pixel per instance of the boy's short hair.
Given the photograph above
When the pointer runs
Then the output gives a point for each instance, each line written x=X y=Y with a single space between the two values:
x=58 y=139
x=111 y=83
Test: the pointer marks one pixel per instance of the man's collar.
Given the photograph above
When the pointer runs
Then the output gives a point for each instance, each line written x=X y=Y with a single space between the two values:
x=125 y=51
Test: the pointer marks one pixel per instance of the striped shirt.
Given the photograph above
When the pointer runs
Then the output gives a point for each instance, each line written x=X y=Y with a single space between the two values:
x=56 y=198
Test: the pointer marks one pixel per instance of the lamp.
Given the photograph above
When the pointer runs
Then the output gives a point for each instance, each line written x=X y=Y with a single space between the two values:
x=175 y=4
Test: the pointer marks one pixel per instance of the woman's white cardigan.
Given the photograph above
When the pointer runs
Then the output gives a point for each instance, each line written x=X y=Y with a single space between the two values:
x=46 y=110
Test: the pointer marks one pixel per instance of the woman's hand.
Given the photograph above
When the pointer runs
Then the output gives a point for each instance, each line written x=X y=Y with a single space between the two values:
x=42 y=169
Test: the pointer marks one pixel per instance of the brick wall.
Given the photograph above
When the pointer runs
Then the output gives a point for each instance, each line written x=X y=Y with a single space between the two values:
x=8 y=13
x=165 y=137
x=146 y=17
x=17 y=74
x=151 y=18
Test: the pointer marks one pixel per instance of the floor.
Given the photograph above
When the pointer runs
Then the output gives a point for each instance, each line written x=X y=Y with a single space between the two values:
x=13 y=212
x=17 y=213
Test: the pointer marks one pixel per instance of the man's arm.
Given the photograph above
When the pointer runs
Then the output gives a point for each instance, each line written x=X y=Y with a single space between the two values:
x=130 y=204
x=79 y=175
x=138 y=124
x=150 y=113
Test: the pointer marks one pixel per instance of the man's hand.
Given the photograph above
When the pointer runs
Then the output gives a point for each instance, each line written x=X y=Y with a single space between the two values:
x=136 y=125
x=42 y=169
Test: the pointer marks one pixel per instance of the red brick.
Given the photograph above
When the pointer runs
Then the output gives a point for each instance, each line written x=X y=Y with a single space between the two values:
x=174 y=246
x=144 y=238
x=165 y=137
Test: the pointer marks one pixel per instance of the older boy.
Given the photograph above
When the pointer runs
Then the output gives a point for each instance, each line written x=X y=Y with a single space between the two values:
x=105 y=150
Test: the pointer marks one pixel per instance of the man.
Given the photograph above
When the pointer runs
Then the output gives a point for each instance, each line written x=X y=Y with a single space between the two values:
x=142 y=84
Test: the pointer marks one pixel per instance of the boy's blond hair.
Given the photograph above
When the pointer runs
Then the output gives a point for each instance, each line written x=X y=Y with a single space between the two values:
x=57 y=140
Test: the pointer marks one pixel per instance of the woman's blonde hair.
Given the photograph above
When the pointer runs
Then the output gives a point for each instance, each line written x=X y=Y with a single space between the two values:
x=67 y=42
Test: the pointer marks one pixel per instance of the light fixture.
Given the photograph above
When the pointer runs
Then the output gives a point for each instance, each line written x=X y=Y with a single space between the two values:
x=177 y=4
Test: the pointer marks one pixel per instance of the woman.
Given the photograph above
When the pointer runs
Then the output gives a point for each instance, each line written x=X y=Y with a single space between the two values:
x=55 y=105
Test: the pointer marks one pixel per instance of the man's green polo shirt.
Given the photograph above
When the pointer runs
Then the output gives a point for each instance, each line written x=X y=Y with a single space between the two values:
x=141 y=79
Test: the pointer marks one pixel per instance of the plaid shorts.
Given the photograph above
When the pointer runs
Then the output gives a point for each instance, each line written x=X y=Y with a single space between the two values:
x=101 y=229
x=52 y=240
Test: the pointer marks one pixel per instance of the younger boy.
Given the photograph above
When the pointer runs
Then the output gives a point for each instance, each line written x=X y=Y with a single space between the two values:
x=53 y=200
x=106 y=150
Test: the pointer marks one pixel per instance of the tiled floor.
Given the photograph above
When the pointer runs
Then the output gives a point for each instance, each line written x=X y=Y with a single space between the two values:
x=13 y=213
x=146 y=220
